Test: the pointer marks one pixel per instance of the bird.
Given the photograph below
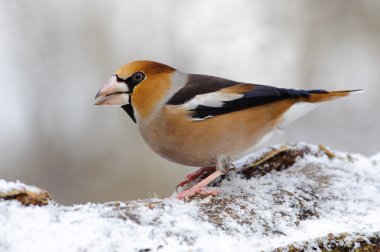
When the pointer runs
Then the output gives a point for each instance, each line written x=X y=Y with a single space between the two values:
x=204 y=121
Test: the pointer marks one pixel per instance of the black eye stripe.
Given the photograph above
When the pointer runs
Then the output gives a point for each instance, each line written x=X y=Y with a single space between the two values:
x=118 y=79
x=132 y=81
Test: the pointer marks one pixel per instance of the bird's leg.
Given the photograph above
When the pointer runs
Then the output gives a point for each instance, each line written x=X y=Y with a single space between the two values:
x=223 y=164
x=193 y=176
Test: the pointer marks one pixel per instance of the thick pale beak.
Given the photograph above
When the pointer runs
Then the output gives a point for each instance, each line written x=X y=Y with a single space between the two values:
x=113 y=93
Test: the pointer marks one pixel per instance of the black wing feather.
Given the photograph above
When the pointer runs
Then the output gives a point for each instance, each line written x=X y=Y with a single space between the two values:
x=199 y=84
x=260 y=95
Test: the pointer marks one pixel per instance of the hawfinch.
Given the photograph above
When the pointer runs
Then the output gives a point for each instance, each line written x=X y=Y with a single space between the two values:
x=200 y=120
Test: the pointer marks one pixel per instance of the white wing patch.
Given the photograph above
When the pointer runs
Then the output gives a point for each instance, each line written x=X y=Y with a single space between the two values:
x=296 y=111
x=214 y=99
x=201 y=119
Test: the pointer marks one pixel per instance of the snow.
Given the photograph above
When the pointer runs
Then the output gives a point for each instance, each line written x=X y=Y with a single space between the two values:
x=6 y=186
x=314 y=197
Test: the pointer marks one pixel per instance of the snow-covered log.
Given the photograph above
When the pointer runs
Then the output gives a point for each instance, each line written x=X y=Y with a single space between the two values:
x=289 y=198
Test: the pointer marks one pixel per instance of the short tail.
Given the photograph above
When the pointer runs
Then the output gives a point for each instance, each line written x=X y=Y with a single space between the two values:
x=310 y=100
x=322 y=96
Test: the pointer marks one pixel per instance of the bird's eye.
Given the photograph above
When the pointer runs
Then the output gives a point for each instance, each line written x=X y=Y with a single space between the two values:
x=139 y=76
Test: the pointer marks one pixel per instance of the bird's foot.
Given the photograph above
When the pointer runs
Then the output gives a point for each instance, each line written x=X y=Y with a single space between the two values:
x=195 y=191
x=204 y=171
x=199 y=188
x=223 y=165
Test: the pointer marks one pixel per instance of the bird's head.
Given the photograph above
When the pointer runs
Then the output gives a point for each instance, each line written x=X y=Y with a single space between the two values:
x=140 y=82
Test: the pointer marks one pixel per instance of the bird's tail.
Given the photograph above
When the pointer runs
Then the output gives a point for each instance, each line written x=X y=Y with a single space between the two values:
x=322 y=96
x=309 y=102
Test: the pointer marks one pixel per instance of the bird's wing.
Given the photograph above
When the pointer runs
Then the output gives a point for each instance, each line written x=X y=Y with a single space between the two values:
x=207 y=96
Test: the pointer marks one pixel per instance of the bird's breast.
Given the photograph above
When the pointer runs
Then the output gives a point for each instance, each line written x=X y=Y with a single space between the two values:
x=175 y=136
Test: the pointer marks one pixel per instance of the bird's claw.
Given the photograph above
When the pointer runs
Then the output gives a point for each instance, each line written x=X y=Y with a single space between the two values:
x=193 y=176
x=195 y=191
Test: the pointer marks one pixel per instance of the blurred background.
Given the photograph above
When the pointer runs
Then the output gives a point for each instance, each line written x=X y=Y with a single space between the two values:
x=55 y=56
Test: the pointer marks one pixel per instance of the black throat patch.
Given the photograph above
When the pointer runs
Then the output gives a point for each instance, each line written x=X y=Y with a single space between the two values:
x=129 y=109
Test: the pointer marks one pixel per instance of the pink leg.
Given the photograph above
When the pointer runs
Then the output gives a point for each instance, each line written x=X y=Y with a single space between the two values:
x=193 y=176
x=199 y=188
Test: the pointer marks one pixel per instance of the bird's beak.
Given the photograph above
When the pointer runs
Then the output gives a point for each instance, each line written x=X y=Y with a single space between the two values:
x=114 y=93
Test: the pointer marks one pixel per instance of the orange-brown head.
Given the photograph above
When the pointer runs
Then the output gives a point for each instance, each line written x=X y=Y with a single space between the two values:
x=142 y=84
